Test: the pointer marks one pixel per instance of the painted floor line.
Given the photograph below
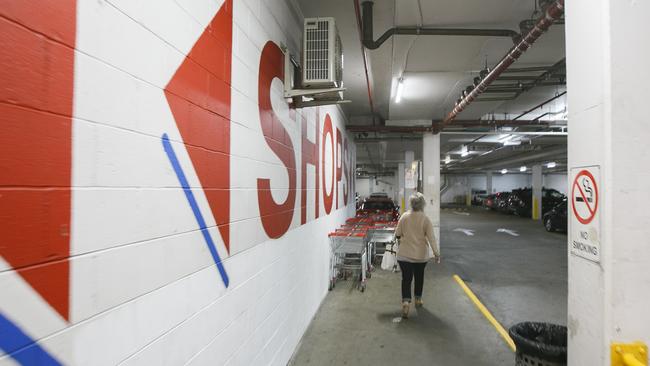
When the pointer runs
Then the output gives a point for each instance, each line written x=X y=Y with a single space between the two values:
x=499 y=328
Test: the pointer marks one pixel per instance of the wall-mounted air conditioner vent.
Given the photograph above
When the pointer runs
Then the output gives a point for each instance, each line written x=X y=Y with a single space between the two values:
x=322 y=59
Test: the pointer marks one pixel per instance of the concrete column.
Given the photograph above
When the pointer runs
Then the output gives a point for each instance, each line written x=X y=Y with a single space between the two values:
x=409 y=156
x=488 y=183
x=608 y=53
x=537 y=192
x=431 y=179
x=400 y=188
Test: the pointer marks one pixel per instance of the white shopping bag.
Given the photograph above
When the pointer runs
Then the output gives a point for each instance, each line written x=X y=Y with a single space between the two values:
x=389 y=260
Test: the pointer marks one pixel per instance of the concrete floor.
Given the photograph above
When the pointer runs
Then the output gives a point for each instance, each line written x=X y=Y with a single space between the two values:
x=516 y=277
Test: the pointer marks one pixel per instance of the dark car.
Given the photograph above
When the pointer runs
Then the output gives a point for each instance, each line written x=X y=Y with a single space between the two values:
x=550 y=199
x=521 y=201
x=490 y=202
x=556 y=218
x=379 y=205
x=501 y=201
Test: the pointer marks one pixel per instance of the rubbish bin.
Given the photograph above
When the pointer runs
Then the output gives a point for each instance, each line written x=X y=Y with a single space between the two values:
x=539 y=344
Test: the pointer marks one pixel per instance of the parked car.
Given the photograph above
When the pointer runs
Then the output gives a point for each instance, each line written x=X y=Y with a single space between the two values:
x=502 y=201
x=556 y=218
x=381 y=205
x=521 y=201
x=490 y=202
x=478 y=196
x=550 y=199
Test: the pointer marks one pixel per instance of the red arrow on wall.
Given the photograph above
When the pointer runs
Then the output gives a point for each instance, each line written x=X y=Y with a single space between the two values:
x=37 y=57
x=199 y=98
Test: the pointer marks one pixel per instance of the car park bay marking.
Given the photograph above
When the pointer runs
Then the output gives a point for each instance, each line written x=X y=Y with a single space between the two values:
x=507 y=231
x=467 y=232
x=461 y=213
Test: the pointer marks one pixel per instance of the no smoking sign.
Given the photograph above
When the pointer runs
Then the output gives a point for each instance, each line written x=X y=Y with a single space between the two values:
x=585 y=219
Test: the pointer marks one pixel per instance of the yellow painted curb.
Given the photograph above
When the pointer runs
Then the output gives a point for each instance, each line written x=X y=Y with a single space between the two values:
x=486 y=313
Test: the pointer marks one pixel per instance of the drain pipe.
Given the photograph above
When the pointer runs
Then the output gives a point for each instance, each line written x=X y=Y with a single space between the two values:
x=371 y=44
x=553 y=12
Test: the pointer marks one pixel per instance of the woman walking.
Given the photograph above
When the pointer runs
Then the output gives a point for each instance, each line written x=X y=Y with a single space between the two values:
x=415 y=233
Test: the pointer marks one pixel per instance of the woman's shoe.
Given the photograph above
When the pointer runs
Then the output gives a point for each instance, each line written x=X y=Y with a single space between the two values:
x=405 y=309
x=418 y=302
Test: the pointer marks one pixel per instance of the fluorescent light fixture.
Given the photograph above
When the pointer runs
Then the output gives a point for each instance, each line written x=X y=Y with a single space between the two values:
x=447 y=159
x=551 y=165
x=504 y=171
x=523 y=169
x=400 y=89
x=464 y=151
x=504 y=138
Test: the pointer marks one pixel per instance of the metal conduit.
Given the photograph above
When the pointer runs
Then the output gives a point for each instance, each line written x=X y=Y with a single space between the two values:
x=372 y=44
x=553 y=12
x=435 y=127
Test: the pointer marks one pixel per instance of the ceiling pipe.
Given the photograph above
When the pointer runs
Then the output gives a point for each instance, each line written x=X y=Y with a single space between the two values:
x=365 y=61
x=526 y=69
x=512 y=88
x=460 y=123
x=540 y=105
x=523 y=158
x=371 y=44
x=523 y=77
x=553 y=12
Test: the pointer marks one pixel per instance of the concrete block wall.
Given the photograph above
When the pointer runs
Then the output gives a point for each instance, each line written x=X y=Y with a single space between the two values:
x=160 y=202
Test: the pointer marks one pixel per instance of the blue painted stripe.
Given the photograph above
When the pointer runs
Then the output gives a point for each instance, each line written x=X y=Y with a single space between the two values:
x=20 y=347
x=195 y=207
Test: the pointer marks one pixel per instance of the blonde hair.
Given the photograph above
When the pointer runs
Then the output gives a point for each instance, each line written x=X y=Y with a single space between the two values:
x=417 y=201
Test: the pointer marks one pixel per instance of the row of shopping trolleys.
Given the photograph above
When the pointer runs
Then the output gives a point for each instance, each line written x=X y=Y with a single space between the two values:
x=357 y=247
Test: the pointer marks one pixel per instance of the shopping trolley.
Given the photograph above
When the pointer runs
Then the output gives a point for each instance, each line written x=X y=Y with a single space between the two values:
x=348 y=257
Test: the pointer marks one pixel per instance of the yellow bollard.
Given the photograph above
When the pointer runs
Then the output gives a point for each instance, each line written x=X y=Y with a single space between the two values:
x=629 y=354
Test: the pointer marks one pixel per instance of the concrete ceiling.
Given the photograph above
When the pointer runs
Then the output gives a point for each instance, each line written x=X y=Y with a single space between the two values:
x=435 y=69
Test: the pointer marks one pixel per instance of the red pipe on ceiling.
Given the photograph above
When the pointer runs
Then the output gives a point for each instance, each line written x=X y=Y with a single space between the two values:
x=553 y=12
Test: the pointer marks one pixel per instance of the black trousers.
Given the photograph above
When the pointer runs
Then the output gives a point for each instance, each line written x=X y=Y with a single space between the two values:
x=410 y=270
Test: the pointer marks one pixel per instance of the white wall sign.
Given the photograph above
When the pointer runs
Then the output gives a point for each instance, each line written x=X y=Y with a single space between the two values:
x=584 y=228
x=410 y=178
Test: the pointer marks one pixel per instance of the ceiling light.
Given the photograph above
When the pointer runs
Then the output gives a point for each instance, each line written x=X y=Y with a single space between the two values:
x=504 y=171
x=400 y=89
x=551 y=165
x=512 y=143
x=447 y=159
x=523 y=169
x=464 y=151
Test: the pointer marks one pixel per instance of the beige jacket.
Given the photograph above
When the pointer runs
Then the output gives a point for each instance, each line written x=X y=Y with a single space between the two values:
x=415 y=231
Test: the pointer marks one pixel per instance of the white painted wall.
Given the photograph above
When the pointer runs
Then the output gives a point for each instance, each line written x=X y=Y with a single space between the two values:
x=556 y=181
x=144 y=287
x=366 y=186
x=608 y=50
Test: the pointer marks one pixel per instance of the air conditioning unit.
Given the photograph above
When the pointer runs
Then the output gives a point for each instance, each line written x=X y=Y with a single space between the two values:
x=322 y=54
x=319 y=80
